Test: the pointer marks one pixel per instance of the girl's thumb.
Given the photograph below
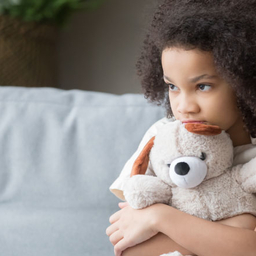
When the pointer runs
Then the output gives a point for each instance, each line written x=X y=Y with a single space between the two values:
x=123 y=204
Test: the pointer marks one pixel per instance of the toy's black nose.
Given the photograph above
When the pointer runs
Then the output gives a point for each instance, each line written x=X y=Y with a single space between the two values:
x=182 y=168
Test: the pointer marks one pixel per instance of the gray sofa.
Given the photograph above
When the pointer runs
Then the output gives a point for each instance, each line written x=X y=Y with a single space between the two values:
x=60 y=151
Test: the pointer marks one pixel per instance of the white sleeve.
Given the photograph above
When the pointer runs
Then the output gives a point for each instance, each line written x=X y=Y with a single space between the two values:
x=118 y=185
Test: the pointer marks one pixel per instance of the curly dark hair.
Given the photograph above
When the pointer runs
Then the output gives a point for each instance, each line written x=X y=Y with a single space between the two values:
x=226 y=28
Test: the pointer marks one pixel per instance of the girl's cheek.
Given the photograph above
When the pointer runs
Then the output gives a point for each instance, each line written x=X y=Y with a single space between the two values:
x=173 y=105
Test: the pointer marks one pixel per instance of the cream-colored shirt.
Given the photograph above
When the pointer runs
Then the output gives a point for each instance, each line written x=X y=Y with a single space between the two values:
x=242 y=154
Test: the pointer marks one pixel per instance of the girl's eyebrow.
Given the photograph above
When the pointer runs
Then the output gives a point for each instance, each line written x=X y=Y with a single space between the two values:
x=195 y=79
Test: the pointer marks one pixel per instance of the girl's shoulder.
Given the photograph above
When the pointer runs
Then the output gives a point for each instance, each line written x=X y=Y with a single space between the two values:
x=253 y=140
x=160 y=123
x=244 y=153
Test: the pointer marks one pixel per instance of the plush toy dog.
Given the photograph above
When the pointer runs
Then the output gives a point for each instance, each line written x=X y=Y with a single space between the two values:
x=191 y=170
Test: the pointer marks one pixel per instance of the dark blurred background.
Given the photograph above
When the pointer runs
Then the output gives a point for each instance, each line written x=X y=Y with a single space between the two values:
x=97 y=50
x=100 y=48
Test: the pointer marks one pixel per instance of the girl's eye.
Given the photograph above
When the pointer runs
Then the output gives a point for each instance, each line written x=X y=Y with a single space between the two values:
x=204 y=87
x=173 y=87
x=203 y=156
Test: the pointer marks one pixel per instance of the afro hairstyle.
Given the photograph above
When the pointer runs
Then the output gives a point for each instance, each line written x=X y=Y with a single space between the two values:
x=226 y=28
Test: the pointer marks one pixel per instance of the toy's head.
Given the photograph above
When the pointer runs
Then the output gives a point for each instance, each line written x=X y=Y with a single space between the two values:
x=185 y=155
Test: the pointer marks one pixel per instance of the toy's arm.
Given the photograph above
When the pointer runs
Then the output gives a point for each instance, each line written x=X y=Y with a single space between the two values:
x=246 y=176
x=143 y=190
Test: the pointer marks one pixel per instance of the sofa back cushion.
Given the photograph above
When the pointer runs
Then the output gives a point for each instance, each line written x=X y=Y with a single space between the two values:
x=60 y=151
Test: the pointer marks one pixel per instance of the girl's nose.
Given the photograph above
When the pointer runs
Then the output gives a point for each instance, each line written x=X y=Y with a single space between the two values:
x=187 y=104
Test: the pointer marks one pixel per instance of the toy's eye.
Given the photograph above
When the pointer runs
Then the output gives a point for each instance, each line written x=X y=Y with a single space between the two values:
x=203 y=156
x=168 y=165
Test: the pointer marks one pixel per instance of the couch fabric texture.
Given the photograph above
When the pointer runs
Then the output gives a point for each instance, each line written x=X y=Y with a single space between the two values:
x=60 y=152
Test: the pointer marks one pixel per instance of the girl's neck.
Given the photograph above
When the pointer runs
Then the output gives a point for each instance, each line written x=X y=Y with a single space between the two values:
x=238 y=134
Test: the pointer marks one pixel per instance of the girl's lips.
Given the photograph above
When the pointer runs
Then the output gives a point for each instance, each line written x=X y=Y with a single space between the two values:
x=193 y=121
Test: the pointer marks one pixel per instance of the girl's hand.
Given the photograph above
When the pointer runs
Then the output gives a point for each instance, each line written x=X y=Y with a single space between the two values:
x=130 y=227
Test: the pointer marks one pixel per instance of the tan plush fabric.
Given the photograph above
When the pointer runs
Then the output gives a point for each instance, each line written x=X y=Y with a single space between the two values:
x=226 y=191
x=242 y=155
x=117 y=186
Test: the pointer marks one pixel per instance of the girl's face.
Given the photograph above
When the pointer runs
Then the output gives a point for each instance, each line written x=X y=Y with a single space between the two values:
x=196 y=92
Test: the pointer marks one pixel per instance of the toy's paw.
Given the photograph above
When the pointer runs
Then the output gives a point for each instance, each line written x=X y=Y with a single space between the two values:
x=246 y=176
x=136 y=192
x=176 y=253
x=142 y=191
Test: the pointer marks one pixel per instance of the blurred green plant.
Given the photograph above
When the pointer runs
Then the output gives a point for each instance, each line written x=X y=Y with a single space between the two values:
x=46 y=11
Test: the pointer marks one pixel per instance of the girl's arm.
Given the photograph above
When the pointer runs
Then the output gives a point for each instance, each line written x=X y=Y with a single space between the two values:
x=155 y=246
x=132 y=227
x=161 y=243
x=204 y=237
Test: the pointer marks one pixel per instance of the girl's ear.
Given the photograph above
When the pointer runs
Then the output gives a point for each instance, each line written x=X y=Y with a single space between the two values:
x=141 y=163
x=203 y=129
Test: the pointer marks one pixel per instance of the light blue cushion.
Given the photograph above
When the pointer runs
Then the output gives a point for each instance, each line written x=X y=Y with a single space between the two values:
x=60 y=151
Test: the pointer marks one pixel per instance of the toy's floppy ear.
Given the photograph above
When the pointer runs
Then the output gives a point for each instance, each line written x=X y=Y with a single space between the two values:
x=141 y=163
x=203 y=129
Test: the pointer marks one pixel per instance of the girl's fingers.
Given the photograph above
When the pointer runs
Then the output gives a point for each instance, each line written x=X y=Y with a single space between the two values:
x=120 y=247
x=115 y=217
x=123 y=204
x=116 y=237
x=111 y=229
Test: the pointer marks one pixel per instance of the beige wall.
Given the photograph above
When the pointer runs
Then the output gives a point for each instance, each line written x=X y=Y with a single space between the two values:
x=99 y=50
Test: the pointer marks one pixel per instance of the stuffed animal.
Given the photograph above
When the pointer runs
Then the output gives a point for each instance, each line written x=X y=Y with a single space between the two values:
x=189 y=166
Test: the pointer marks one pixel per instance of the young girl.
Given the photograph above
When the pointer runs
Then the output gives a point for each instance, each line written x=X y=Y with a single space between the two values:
x=199 y=59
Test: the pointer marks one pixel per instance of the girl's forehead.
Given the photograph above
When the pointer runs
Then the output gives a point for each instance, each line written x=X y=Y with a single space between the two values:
x=191 y=63
x=179 y=55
